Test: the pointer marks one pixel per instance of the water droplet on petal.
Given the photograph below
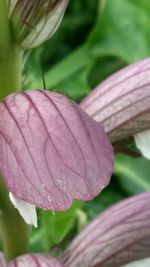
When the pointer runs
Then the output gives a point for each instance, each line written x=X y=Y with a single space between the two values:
x=49 y=199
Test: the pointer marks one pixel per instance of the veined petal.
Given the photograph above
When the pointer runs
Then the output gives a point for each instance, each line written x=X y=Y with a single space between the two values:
x=51 y=151
x=26 y=210
x=35 y=260
x=142 y=141
x=122 y=102
x=118 y=236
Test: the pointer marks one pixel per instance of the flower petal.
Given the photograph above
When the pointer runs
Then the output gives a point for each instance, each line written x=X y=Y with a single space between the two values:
x=119 y=235
x=51 y=151
x=142 y=141
x=26 y=210
x=35 y=260
x=122 y=102
x=2 y=260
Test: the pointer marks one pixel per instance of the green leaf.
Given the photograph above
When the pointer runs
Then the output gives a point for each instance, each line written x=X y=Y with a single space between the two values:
x=64 y=69
x=133 y=173
x=109 y=196
x=57 y=225
x=123 y=30
x=76 y=86
x=102 y=68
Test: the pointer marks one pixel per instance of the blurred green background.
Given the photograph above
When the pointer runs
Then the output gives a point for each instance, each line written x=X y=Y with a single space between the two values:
x=95 y=39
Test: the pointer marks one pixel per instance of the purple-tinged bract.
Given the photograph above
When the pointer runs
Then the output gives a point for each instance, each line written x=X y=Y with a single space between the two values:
x=51 y=151
x=35 y=260
x=122 y=102
x=118 y=236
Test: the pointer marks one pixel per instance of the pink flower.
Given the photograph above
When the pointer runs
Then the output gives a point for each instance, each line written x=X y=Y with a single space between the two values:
x=122 y=105
x=119 y=235
x=51 y=152
x=33 y=260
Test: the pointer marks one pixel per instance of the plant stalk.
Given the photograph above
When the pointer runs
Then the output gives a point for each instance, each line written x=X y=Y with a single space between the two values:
x=10 y=56
x=14 y=233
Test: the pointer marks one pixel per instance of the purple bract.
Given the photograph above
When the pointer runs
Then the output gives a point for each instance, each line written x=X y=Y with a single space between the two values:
x=51 y=151
x=122 y=102
x=118 y=236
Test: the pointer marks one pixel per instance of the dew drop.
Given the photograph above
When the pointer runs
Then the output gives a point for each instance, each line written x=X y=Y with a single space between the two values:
x=49 y=199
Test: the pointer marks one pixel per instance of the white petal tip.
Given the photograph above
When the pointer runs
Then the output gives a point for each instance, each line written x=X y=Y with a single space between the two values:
x=142 y=141
x=140 y=263
x=26 y=210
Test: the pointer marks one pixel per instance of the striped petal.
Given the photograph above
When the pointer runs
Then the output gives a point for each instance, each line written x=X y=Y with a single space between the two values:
x=51 y=151
x=35 y=260
x=122 y=102
x=118 y=236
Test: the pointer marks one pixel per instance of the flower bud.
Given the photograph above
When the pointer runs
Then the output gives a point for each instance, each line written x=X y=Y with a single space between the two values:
x=34 y=22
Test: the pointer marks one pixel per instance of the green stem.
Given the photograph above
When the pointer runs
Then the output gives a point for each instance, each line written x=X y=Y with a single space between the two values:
x=10 y=56
x=10 y=72
x=14 y=231
x=4 y=26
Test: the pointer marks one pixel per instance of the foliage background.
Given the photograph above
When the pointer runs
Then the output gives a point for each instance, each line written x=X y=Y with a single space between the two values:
x=96 y=38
